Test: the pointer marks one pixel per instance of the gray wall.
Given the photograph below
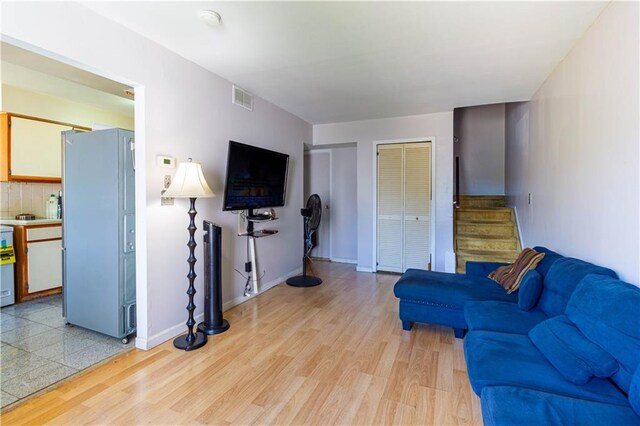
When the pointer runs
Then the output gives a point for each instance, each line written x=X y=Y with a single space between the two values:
x=574 y=147
x=480 y=130
x=184 y=111
x=344 y=216
x=436 y=126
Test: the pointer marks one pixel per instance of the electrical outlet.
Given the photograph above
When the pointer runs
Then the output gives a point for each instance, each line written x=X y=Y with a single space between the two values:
x=166 y=201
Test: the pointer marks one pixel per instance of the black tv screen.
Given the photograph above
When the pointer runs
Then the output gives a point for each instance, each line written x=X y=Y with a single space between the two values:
x=256 y=177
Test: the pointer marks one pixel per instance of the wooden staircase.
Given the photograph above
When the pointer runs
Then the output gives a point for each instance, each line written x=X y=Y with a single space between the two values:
x=485 y=230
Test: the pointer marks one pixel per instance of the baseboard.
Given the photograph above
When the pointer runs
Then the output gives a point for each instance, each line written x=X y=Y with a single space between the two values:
x=178 y=329
x=167 y=334
x=364 y=269
x=342 y=260
x=264 y=287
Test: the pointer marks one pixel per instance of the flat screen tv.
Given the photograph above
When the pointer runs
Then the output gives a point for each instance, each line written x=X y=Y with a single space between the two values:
x=256 y=177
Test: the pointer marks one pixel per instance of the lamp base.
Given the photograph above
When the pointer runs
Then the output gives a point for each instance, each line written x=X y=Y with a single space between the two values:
x=304 y=281
x=199 y=341
x=212 y=329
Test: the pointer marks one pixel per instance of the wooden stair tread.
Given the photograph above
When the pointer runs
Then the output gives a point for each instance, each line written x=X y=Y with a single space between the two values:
x=465 y=236
x=484 y=209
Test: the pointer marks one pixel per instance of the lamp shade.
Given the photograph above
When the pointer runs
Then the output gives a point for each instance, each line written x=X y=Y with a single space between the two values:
x=189 y=182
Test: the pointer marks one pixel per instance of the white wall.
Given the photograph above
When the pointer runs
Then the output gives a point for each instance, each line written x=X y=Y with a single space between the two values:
x=582 y=149
x=480 y=130
x=365 y=133
x=184 y=111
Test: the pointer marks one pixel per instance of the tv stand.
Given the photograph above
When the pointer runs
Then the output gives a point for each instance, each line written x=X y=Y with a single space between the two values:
x=252 y=234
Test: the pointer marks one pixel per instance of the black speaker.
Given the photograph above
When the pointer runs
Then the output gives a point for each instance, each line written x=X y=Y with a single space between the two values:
x=213 y=322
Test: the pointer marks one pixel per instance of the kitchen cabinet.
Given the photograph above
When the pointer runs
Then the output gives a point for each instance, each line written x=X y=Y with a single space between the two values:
x=30 y=148
x=38 y=260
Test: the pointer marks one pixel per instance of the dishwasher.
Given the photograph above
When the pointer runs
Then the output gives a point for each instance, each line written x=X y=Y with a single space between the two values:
x=7 y=259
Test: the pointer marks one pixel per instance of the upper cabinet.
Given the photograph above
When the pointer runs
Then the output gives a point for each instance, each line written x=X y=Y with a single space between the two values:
x=30 y=149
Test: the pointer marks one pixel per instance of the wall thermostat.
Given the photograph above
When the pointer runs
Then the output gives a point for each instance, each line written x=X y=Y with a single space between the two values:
x=166 y=162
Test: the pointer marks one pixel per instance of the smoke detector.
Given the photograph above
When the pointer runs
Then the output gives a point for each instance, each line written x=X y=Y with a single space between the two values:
x=210 y=17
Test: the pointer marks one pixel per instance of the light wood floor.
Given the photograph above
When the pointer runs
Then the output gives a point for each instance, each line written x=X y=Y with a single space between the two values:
x=332 y=354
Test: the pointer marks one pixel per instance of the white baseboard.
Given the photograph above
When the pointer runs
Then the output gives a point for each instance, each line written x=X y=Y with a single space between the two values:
x=342 y=260
x=515 y=213
x=178 y=329
x=364 y=269
x=167 y=334
x=262 y=288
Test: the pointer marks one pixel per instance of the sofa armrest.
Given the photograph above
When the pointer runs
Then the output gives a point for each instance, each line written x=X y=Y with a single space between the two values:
x=481 y=269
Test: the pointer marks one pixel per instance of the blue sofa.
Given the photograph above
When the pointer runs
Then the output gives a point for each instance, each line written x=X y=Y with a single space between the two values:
x=440 y=298
x=578 y=367
x=570 y=355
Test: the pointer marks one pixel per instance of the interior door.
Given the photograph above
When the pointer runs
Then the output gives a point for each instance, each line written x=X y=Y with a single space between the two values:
x=404 y=213
x=417 y=205
x=390 y=208
x=317 y=176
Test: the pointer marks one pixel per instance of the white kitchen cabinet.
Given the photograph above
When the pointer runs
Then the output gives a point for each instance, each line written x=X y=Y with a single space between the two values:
x=30 y=148
x=38 y=260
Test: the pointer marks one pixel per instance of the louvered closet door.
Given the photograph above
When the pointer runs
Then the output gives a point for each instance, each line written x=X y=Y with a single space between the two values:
x=417 y=205
x=389 y=208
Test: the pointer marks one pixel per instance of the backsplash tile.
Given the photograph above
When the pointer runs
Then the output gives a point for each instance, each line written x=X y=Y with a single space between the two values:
x=23 y=197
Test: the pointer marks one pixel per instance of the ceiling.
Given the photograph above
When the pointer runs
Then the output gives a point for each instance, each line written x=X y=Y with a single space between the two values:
x=343 y=61
x=25 y=69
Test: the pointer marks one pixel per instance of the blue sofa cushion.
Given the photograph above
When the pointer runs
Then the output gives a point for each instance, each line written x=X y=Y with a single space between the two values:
x=570 y=352
x=562 y=278
x=606 y=311
x=503 y=317
x=634 y=392
x=547 y=261
x=501 y=359
x=506 y=405
x=448 y=290
x=481 y=269
x=530 y=290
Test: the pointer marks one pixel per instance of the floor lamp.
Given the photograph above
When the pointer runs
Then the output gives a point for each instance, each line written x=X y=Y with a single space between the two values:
x=189 y=183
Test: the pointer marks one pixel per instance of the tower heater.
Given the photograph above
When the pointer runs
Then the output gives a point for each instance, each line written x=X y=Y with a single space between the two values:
x=213 y=322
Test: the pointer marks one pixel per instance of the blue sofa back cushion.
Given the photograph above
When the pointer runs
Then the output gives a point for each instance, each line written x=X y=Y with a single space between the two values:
x=562 y=278
x=570 y=352
x=606 y=311
x=530 y=290
x=634 y=392
x=549 y=258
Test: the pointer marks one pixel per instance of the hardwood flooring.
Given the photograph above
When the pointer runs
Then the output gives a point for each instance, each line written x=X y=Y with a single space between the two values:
x=332 y=354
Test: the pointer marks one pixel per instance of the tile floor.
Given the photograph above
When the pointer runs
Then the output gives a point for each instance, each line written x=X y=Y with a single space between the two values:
x=37 y=349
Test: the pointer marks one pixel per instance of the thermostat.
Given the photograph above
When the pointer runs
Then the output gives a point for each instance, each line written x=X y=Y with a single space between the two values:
x=166 y=162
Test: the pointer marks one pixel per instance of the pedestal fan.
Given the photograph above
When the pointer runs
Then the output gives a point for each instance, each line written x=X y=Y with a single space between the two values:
x=311 y=216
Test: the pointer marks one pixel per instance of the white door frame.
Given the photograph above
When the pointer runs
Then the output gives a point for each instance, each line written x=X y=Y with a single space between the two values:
x=330 y=202
x=374 y=234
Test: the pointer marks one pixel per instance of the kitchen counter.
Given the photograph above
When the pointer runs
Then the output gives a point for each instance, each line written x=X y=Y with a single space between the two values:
x=40 y=221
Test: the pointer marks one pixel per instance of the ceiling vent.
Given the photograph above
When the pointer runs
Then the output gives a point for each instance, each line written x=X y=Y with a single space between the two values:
x=241 y=97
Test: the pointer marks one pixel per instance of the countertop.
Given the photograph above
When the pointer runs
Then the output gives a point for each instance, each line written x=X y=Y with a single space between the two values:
x=39 y=221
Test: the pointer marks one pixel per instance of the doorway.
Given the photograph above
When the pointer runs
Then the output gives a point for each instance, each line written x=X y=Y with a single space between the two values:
x=317 y=180
x=404 y=212
x=38 y=348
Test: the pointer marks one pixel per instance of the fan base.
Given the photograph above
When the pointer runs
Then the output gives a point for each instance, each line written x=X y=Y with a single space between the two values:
x=304 y=281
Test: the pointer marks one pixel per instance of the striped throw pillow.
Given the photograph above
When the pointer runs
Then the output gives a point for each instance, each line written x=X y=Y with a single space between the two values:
x=510 y=276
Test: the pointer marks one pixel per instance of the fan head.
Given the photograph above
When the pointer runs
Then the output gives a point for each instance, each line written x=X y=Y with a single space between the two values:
x=314 y=210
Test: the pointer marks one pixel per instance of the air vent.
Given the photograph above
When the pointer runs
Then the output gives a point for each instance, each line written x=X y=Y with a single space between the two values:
x=242 y=97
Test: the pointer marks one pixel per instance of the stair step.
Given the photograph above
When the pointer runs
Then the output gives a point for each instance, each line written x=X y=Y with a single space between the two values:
x=470 y=228
x=497 y=214
x=484 y=256
x=488 y=242
x=482 y=200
